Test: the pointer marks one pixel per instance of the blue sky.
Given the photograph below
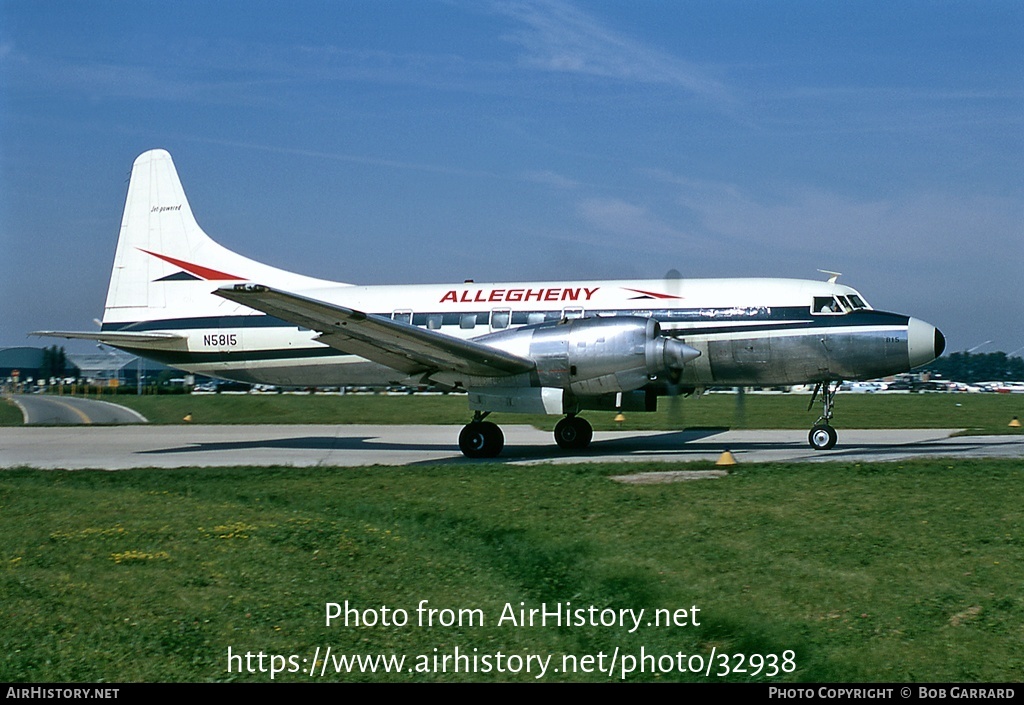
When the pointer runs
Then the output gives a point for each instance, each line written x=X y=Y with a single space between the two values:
x=393 y=142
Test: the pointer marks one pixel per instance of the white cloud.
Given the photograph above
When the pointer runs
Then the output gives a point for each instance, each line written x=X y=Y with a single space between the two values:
x=558 y=37
x=550 y=178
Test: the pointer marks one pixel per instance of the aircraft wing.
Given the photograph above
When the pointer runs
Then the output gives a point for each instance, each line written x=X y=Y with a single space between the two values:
x=398 y=345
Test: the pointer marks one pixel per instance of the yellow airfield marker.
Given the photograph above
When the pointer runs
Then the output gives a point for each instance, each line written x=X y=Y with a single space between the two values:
x=725 y=458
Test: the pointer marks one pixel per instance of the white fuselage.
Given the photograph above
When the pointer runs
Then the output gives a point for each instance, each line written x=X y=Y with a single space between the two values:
x=749 y=331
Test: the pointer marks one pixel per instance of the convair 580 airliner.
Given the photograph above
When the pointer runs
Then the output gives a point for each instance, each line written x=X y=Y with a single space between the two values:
x=556 y=347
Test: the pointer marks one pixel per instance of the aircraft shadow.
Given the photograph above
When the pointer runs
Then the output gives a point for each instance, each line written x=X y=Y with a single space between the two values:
x=358 y=443
x=669 y=442
x=686 y=444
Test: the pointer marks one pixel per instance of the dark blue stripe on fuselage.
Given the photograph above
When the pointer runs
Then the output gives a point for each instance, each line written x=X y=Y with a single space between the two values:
x=749 y=319
x=261 y=321
x=857 y=319
x=182 y=358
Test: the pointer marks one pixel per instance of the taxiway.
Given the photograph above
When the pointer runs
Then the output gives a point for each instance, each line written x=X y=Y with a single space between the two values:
x=123 y=447
x=40 y=409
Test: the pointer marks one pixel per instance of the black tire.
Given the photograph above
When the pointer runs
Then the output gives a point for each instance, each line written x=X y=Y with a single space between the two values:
x=573 y=433
x=481 y=439
x=822 y=437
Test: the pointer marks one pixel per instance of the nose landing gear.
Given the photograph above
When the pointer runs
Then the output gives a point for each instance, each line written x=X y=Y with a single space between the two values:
x=822 y=435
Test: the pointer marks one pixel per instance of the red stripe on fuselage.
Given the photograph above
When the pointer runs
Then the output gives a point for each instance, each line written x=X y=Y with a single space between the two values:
x=653 y=294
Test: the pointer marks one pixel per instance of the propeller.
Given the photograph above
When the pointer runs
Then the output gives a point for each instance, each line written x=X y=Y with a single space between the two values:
x=675 y=406
x=673 y=285
x=673 y=282
x=739 y=419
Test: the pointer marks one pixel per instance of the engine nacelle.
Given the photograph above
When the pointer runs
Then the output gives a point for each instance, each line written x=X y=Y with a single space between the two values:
x=591 y=356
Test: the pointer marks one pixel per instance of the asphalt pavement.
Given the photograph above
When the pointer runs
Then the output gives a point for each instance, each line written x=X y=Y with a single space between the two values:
x=39 y=409
x=144 y=446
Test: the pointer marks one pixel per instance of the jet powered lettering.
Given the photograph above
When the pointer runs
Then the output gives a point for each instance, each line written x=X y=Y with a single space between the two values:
x=559 y=348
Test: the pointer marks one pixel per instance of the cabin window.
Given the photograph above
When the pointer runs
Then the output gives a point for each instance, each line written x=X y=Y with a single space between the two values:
x=534 y=318
x=434 y=321
x=571 y=312
x=467 y=321
x=402 y=316
x=500 y=318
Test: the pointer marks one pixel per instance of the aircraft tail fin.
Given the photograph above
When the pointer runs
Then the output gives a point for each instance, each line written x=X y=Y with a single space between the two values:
x=165 y=266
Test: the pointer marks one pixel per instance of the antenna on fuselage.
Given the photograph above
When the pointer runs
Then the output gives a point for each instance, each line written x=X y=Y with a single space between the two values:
x=832 y=276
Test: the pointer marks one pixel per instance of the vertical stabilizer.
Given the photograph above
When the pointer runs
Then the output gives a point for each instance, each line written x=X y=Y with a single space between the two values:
x=165 y=265
x=157 y=220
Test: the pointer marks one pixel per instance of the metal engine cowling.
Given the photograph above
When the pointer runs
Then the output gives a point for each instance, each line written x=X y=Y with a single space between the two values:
x=592 y=356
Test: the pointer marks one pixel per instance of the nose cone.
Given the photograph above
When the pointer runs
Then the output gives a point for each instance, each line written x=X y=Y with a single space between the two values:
x=925 y=342
x=677 y=354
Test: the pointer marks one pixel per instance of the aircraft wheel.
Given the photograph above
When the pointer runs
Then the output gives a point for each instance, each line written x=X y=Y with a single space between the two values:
x=822 y=437
x=573 y=433
x=481 y=439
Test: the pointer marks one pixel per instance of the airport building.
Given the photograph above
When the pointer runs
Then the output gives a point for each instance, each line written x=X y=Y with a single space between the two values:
x=25 y=365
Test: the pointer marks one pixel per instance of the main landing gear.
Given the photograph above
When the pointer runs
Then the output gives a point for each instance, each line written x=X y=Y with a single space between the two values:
x=822 y=435
x=573 y=433
x=483 y=439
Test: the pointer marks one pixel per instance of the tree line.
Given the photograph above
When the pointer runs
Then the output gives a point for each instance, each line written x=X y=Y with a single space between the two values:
x=981 y=367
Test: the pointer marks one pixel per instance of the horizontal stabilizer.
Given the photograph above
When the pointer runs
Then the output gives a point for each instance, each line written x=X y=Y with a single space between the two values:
x=117 y=339
x=398 y=345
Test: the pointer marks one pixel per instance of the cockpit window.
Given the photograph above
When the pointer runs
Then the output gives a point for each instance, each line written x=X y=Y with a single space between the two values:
x=838 y=304
x=827 y=305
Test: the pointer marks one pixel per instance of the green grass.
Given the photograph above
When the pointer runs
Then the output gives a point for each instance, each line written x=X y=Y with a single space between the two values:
x=979 y=413
x=10 y=415
x=887 y=572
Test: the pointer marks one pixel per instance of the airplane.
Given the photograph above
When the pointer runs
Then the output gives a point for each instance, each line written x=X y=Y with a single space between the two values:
x=556 y=347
